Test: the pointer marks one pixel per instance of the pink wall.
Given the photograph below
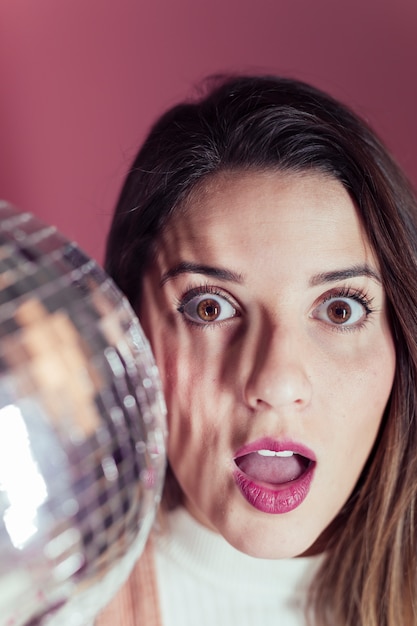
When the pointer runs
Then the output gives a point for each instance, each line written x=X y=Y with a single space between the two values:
x=81 y=81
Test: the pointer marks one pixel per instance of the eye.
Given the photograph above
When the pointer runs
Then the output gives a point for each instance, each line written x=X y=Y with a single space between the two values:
x=206 y=308
x=346 y=311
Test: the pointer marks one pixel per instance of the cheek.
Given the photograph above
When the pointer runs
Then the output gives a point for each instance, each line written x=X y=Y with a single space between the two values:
x=197 y=403
x=366 y=390
x=192 y=427
x=378 y=368
x=354 y=388
x=191 y=368
x=363 y=371
x=185 y=395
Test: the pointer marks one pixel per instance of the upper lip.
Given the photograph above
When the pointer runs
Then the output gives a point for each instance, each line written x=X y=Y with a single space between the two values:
x=276 y=445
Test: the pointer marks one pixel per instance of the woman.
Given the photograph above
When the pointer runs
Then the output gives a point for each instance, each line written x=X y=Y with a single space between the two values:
x=268 y=243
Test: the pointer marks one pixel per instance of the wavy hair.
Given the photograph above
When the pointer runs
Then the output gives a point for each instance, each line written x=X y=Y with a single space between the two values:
x=369 y=577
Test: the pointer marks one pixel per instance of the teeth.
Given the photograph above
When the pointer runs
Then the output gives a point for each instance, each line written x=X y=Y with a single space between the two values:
x=282 y=453
x=266 y=452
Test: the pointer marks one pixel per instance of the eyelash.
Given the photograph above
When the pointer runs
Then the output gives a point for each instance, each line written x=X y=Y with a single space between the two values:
x=202 y=290
x=345 y=292
x=353 y=294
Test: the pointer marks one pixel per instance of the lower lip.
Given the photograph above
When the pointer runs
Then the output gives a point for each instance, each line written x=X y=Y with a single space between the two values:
x=278 y=499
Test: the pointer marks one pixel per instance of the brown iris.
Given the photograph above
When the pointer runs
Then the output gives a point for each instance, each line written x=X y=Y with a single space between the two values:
x=208 y=310
x=339 y=312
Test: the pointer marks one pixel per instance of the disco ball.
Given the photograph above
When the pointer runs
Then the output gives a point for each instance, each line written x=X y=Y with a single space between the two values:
x=82 y=430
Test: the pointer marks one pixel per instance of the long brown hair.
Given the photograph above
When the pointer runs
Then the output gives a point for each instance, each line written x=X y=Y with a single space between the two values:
x=261 y=123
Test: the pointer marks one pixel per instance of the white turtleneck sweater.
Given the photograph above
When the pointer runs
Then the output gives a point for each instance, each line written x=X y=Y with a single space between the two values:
x=204 y=581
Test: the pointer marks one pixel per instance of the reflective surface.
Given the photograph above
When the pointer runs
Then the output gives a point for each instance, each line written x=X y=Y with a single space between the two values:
x=82 y=427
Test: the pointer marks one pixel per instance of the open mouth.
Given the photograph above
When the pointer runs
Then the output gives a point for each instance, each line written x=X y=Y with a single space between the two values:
x=274 y=479
x=273 y=468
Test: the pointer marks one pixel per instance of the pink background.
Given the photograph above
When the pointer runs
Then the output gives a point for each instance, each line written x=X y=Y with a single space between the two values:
x=82 y=80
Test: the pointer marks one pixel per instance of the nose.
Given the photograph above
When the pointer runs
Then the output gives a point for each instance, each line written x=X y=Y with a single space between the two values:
x=278 y=376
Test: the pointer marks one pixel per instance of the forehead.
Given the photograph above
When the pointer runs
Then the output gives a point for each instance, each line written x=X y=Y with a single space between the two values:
x=260 y=210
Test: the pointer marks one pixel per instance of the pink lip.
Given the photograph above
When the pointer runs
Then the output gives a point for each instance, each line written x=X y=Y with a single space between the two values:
x=275 y=499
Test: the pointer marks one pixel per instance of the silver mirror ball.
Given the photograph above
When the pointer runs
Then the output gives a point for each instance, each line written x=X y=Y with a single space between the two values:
x=82 y=430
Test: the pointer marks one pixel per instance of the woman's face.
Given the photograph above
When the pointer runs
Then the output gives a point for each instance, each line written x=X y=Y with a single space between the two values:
x=268 y=321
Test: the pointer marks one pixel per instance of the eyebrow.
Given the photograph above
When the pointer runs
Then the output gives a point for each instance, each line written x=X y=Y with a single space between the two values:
x=344 y=274
x=206 y=270
x=186 y=267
